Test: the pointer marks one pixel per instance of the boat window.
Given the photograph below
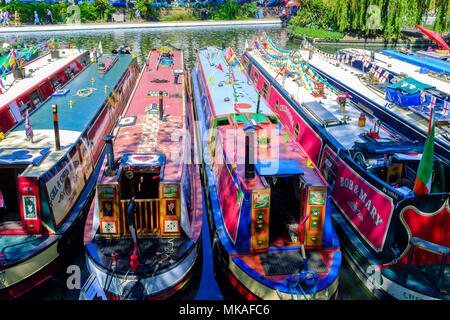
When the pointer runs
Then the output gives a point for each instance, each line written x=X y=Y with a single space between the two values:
x=55 y=82
x=259 y=117
x=265 y=90
x=255 y=78
x=329 y=170
x=35 y=97
x=245 y=63
x=273 y=119
x=239 y=118
x=296 y=130
x=222 y=122
x=277 y=103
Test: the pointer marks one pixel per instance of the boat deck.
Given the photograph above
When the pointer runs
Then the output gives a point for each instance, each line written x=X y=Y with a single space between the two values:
x=346 y=133
x=276 y=265
x=42 y=69
x=349 y=77
x=73 y=120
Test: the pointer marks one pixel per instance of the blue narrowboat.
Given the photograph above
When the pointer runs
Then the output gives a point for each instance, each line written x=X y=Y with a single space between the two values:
x=270 y=206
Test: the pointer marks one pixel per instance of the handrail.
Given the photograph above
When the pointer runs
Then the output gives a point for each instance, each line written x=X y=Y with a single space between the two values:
x=430 y=247
x=146 y=219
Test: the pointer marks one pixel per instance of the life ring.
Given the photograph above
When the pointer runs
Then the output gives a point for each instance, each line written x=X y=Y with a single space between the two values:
x=85 y=92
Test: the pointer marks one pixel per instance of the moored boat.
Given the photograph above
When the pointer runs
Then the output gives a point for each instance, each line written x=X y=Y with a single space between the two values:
x=399 y=96
x=273 y=237
x=26 y=83
x=49 y=166
x=396 y=241
x=142 y=236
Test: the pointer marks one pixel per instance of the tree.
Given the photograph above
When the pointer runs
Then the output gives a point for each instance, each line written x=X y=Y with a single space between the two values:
x=100 y=7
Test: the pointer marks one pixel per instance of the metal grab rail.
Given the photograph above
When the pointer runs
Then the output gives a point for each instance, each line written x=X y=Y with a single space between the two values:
x=146 y=217
x=430 y=247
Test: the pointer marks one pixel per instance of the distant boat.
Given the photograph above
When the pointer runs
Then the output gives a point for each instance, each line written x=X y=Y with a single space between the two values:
x=49 y=166
x=396 y=241
x=142 y=235
x=270 y=206
x=33 y=81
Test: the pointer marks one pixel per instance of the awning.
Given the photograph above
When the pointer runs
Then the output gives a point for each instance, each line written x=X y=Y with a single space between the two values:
x=410 y=85
x=278 y=168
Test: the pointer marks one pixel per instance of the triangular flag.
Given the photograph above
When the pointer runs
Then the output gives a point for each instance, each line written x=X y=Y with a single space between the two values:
x=219 y=66
x=100 y=49
x=422 y=185
x=286 y=138
x=211 y=79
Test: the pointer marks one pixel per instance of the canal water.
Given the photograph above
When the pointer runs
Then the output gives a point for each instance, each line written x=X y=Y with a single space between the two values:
x=203 y=285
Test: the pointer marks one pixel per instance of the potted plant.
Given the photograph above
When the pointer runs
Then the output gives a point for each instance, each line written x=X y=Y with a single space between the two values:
x=342 y=100
x=263 y=141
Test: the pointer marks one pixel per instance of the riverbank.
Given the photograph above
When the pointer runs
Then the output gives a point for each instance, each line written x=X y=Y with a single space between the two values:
x=138 y=25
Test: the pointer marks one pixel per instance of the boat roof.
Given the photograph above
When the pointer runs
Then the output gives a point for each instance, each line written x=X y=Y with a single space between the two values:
x=73 y=120
x=148 y=134
x=283 y=157
x=434 y=64
x=43 y=67
x=399 y=66
x=326 y=108
x=221 y=88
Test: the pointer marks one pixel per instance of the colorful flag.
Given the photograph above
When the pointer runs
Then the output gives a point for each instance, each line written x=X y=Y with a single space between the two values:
x=286 y=138
x=2 y=201
x=422 y=97
x=446 y=105
x=432 y=102
x=219 y=66
x=422 y=185
x=384 y=77
x=211 y=79
x=28 y=128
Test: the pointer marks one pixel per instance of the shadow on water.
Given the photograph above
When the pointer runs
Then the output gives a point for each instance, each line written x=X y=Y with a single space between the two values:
x=205 y=284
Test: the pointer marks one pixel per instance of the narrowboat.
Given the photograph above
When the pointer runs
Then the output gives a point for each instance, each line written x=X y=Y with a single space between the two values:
x=143 y=233
x=27 y=84
x=397 y=242
x=270 y=206
x=49 y=165
x=399 y=96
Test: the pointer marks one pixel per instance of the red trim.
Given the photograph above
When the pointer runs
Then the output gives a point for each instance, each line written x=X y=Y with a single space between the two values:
x=241 y=288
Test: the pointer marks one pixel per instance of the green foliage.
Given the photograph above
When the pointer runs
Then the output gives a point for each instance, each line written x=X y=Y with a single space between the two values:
x=297 y=31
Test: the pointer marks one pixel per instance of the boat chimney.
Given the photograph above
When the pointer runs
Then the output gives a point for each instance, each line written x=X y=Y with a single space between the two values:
x=249 y=155
x=161 y=108
x=109 y=151
x=56 y=126
x=257 y=104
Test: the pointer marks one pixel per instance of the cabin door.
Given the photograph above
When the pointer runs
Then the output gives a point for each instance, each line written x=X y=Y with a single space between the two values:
x=9 y=198
x=285 y=209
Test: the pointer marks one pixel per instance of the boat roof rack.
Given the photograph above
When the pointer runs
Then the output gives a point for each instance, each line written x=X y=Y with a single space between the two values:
x=322 y=115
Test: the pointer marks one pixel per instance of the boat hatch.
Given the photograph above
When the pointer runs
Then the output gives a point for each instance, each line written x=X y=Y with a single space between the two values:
x=10 y=218
x=321 y=114
x=279 y=210
x=156 y=203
